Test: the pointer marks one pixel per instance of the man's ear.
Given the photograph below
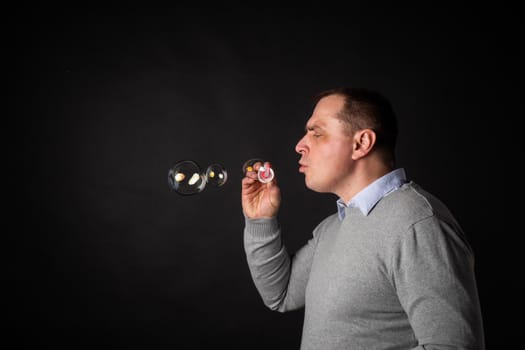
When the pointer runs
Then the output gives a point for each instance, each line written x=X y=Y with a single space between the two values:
x=364 y=141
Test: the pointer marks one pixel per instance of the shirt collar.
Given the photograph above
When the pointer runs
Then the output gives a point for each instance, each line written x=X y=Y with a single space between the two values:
x=368 y=197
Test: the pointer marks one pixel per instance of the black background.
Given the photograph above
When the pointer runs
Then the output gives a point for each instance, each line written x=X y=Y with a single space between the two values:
x=106 y=253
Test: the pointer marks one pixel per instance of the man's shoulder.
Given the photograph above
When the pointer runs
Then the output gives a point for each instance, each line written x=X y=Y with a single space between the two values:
x=327 y=223
x=411 y=200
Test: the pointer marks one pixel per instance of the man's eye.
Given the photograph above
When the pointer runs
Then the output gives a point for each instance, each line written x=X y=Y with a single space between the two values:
x=317 y=135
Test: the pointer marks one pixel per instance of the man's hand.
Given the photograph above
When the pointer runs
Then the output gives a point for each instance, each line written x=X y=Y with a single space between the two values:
x=259 y=200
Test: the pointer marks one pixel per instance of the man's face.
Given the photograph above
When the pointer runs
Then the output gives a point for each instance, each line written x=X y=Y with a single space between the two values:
x=326 y=149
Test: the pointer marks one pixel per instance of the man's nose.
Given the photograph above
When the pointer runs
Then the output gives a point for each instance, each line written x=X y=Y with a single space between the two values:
x=300 y=147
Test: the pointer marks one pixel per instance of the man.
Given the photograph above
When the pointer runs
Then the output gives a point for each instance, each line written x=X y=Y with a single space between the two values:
x=392 y=269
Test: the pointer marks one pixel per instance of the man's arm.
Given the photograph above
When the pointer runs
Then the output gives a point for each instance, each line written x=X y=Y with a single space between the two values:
x=280 y=279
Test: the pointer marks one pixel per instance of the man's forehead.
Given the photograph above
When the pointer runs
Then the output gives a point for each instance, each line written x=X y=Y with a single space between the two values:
x=322 y=120
x=315 y=122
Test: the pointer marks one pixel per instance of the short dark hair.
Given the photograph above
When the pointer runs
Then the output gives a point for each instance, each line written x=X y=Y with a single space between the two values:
x=367 y=109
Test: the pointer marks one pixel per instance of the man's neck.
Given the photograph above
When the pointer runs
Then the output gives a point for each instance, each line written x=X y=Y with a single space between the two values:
x=363 y=174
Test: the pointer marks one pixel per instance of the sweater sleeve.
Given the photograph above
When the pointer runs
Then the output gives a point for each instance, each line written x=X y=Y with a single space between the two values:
x=279 y=278
x=433 y=272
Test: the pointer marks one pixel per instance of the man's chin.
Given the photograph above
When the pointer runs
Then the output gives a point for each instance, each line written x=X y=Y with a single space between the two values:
x=311 y=185
x=316 y=187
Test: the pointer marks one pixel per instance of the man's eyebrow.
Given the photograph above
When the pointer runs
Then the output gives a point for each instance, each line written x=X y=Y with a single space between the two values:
x=313 y=127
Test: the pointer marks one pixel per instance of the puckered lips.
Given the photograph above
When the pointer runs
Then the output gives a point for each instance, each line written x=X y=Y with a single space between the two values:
x=302 y=167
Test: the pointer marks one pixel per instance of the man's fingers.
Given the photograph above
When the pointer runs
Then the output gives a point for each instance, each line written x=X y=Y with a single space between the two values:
x=247 y=181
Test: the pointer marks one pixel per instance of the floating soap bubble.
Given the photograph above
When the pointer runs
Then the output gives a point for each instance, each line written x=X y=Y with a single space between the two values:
x=187 y=178
x=265 y=173
x=216 y=175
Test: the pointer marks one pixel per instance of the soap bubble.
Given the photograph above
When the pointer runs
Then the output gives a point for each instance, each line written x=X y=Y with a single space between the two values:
x=264 y=174
x=249 y=165
x=216 y=175
x=187 y=178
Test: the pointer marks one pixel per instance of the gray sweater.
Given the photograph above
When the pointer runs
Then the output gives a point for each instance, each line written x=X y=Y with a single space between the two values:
x=401 y=277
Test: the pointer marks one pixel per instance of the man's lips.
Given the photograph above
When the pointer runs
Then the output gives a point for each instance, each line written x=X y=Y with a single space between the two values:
x=302 y=167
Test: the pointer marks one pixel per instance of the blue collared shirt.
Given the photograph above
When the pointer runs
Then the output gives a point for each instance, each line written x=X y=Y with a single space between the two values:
x=368 y=197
